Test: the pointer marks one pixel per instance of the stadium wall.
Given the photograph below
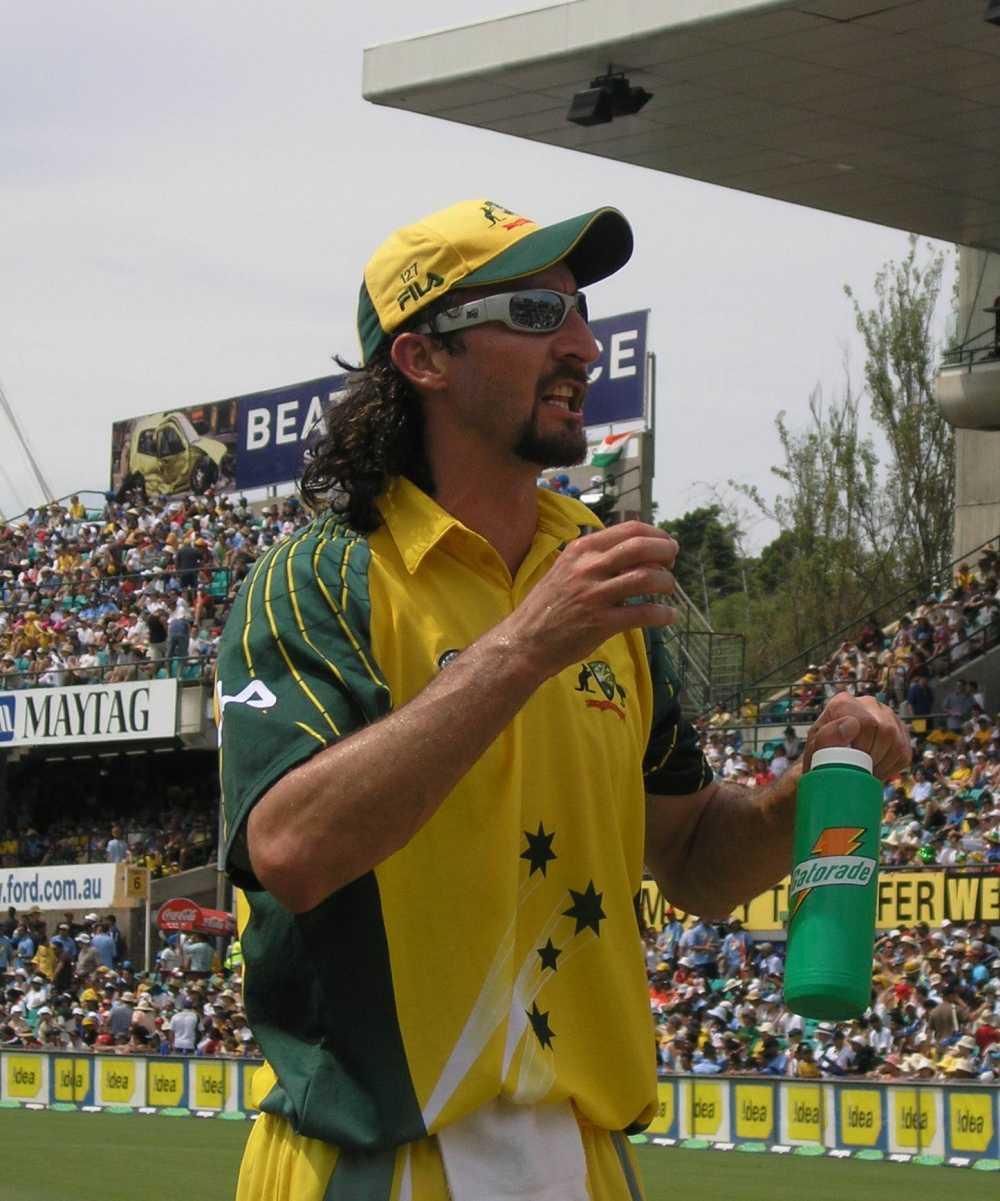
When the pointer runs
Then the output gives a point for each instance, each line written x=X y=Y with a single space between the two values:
x=200 y=1084
x=977 y=451
x=954 y=1123
x=900 y=1120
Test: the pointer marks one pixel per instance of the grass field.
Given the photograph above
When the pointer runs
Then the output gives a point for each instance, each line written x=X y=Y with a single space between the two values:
x=111 y=1157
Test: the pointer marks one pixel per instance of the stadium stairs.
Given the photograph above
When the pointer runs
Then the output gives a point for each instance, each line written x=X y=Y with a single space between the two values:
x=709 y=663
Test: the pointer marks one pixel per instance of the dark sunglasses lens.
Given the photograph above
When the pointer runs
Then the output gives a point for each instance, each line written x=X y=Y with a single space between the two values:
x=581 y=304
x=538 y=311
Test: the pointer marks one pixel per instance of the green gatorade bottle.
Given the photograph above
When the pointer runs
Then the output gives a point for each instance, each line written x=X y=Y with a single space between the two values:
x=834 y=887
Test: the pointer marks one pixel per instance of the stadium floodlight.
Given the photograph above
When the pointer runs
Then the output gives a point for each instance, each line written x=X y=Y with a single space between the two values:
x=992 y=12
x=608 y=96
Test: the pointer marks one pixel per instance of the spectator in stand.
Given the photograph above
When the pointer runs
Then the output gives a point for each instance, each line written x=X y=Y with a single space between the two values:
x=197 y=954
x=104 y=946
x=700 y=943
x=183 y=1029
x=920 y=697
x=735 y=950
x=87 y=960
x=117 y=848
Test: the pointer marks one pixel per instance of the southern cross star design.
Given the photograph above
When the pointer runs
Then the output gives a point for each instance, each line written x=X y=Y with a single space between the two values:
x=586 y=909
x=548 y=955
x=539 y=852
x=540 y=1024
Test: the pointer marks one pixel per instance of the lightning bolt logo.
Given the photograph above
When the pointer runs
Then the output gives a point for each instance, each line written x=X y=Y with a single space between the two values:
x=834 y=840
x=838 y=840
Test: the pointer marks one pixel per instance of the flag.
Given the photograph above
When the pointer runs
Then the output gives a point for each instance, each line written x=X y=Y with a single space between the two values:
x=608 y=450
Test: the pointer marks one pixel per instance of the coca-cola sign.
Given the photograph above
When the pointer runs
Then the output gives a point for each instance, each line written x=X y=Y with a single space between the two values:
x=186 y=916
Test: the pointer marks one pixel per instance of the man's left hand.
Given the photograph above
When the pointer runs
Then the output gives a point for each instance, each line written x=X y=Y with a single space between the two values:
x=866 y=725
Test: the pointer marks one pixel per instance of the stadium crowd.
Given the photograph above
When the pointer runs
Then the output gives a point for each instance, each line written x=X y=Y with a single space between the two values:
x=76 y=990
x=716 y=996
x=131 y=591
x=944 y=810
x=156 y=811
x=901 y=664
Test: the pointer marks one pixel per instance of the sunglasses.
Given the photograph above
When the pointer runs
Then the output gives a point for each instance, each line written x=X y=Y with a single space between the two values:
x=537 y=311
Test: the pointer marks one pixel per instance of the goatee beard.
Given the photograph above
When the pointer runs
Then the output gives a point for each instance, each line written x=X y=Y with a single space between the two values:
x=560 y=448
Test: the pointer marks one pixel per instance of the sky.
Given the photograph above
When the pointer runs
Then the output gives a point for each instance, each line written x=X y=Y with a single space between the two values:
x=189 y=193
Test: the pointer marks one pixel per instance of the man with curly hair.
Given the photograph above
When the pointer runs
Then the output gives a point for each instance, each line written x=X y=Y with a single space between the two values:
x=450 y=738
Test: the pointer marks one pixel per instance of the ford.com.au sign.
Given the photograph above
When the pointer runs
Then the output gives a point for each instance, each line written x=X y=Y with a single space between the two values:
x=88 y=713
x=260 y=439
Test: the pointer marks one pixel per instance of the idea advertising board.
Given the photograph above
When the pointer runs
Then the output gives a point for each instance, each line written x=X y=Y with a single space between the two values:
x=262 y=438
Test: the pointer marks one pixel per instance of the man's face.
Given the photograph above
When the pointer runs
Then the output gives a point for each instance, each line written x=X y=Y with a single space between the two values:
x=523 y=393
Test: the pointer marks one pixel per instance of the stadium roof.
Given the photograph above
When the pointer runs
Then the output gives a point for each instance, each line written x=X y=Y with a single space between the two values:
x=885 y=110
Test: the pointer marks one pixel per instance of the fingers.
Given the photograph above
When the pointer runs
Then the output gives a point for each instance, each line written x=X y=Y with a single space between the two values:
x=635 y=543
x=866 y=725
x=637 y=616
x=641 y=581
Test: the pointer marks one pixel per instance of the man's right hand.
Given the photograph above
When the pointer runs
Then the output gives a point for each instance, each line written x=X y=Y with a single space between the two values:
x=588 y=596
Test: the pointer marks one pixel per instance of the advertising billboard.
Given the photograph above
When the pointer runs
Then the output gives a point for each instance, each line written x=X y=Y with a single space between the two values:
x=617 y=390
x=88 y=713
x=91 y=885
x=260 y=439
x=176 y=452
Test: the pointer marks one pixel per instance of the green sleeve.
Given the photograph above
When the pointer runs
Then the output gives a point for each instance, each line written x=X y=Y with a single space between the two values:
x=673 y=764
x=295 y=672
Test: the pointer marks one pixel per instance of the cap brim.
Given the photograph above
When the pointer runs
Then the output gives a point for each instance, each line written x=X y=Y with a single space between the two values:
x=593 y=246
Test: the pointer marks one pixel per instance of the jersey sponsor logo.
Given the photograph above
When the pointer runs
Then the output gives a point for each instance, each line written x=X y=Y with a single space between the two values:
x=7 y=704
x=600 y=673
x=831 y=862
x=256 y=695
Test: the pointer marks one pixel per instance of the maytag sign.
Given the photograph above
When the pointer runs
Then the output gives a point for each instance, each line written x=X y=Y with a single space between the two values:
x=89 y=713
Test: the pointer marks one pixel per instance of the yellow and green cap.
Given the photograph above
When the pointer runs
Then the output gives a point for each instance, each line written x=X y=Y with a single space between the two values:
x=479 y=242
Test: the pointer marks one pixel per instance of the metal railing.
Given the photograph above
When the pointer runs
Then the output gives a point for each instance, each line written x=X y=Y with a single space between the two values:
x=96 y=510
x=191 y=669
x=709 y=664
x=798 y=701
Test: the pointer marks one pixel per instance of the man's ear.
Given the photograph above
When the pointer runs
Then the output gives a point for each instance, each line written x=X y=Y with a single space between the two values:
x=424 y=363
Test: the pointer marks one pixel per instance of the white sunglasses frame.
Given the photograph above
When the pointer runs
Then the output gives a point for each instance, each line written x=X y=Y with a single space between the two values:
x=496 y=307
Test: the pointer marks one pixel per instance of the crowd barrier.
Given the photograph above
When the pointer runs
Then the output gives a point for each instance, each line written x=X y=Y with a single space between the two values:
x=901 y=1120
x=199 y=1084
x=956 y=1123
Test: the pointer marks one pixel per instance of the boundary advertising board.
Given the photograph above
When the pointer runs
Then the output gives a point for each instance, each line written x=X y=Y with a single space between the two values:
x=905 y=1121
x=902 y=1120
x=904 y=898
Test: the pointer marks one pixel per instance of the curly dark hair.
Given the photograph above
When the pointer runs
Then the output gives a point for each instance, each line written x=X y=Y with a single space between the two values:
x=376 y=432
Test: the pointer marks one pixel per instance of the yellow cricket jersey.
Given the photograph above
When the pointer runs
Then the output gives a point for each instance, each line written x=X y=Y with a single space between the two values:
x=497 y=952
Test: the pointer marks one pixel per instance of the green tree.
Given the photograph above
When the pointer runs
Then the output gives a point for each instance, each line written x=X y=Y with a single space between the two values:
x=856 y=531
x=919 y=477
x=830 y=558
x=708 y=566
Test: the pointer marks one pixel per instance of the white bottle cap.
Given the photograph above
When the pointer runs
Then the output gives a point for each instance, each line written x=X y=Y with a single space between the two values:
x=842 y=754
